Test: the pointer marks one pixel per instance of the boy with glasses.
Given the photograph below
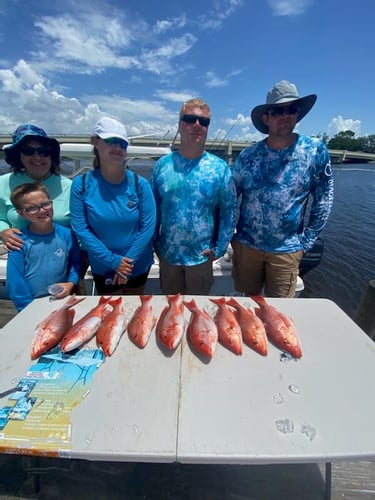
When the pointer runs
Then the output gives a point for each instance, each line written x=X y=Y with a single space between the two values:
x=275 y=180
x=50 y=254
x=196 y=207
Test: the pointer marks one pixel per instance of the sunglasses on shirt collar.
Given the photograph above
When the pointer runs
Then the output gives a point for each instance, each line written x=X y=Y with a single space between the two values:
x=292 y=109
x=113 y=141
x=192 y=119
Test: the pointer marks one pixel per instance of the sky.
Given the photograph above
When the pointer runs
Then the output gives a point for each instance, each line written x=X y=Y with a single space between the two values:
x=65 y=64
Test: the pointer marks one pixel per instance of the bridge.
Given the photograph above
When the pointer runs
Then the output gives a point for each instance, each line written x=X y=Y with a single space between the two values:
x=228 y=150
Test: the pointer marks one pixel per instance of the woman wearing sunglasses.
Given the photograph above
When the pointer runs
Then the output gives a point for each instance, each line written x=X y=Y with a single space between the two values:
x=113 y=215
x=33 y=157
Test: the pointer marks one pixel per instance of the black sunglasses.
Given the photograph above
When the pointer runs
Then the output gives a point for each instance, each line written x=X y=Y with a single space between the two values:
x=203 y=121
x=292 y=109
x=30 y=151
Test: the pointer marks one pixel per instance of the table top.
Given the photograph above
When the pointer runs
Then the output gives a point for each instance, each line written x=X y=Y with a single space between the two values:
x=152 y=405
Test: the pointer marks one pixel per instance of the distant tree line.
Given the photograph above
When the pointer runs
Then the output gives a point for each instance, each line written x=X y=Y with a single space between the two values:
x=346 y=141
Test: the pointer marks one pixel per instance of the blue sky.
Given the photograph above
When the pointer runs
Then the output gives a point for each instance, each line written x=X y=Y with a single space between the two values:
x=65 y=64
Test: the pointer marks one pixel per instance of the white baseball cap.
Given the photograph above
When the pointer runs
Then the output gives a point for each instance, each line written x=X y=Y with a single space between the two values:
x=108 y=127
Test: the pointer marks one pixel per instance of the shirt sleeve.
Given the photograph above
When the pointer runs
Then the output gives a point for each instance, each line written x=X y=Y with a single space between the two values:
x=157 y=199
x=4 y=196
x=322 y=198
x=17 y=286
x=226 y=218
x=74 y=260
x=147 y=220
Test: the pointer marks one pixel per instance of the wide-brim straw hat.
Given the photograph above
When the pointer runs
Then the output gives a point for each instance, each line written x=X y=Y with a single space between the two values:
x=282 y=93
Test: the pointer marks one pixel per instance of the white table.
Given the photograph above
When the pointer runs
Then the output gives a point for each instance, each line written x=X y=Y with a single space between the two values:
x=229 y=408
x=146 y=405
x=131 y=411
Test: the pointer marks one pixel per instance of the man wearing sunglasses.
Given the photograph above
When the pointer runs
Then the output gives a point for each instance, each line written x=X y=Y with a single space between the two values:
x=196 y=207
x=276 y=179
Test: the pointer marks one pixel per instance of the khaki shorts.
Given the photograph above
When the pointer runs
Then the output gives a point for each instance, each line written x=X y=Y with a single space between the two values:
x=187 y=280
x=255 y=272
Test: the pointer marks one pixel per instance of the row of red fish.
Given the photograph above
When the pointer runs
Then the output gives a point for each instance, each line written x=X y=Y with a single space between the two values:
x=232 y=325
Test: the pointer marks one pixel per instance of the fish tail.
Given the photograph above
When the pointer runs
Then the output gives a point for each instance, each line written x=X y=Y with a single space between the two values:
x=259 y=299
x=191 y=305
x=219 y=301
x=73 y=300
x=173 y=298
x=146 y=298
x=115 y=302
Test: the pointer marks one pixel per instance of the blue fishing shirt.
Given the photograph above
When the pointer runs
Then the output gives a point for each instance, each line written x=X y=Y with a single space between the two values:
x=44 y=259
x=196 y=207
x=285 y=196
x=113 y=221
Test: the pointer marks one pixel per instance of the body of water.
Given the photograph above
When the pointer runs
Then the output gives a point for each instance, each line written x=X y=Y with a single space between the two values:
x=348 y=261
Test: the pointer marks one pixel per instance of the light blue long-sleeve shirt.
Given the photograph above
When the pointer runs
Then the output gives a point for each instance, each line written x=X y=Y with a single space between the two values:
x=275 y=187
x=113 y=221
x=58 y=188
x=196 y=204
x=44 y=259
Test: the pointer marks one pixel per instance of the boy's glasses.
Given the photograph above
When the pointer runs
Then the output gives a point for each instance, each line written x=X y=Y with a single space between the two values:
x=35 y=209
x=30 y=151
x=292 y=109
x=113 y=141
x=203 y=121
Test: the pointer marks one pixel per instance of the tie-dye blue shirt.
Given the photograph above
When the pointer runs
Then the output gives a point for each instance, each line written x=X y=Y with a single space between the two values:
x=274 y=187
x=196 y=207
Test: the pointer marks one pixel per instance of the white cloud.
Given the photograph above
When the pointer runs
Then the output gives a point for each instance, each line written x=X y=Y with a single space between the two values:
x=218 y=13
x=158 y=60
x=289 y=7
x=181 y=96
x=339 y=124
x=241 y=119
x=75 y=42
x=24 y=94
x=165 y=25
x=212 y=80
x=90 y=43
x=247 y=134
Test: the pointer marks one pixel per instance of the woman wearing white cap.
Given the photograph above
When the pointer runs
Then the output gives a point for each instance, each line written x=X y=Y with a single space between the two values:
x=113 y=214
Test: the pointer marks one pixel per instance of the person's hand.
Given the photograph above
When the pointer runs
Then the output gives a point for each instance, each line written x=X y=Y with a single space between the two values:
x=125 y=268
x=10 y=239
x=67 y=289
x=210 y=254
x=119 y=279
